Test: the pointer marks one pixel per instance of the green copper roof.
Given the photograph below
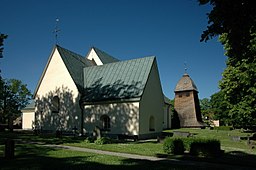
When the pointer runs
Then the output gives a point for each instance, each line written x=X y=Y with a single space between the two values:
x=119 y=80
x=75 y=64
x=104 y=57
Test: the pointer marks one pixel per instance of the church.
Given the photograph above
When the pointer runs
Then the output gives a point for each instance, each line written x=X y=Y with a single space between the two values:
x=99 y=91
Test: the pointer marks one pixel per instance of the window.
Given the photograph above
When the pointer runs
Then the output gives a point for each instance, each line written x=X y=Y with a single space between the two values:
x=151 y=123
x=180 y=95
x=187 y=94
x=55 y=104
x=105 y=122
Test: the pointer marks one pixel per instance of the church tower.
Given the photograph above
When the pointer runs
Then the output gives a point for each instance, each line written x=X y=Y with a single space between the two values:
x=186 y=103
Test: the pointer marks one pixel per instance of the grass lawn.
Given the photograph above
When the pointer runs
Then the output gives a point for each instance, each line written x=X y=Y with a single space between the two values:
x=35 y=156
x=152 y=148
x=31 y=156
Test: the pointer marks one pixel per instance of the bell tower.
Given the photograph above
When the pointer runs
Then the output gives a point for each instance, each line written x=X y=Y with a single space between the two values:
x=186 y=103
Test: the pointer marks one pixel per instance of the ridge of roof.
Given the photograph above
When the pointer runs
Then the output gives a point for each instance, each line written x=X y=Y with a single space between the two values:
x=117 y=81
x=105 y=57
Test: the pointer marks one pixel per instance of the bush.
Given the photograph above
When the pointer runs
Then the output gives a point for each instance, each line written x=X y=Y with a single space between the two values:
x=89 y=140
x=205 y=147
x=173 y=146
x=227 y=128
x=187 y=142
x=103 y=140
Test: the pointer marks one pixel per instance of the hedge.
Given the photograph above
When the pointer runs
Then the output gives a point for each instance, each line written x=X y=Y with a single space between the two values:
x=195 y=146
x=173 y=146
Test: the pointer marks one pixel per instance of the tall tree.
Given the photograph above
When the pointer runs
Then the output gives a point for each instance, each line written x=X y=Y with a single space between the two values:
x=235 y=24
x=15 y=96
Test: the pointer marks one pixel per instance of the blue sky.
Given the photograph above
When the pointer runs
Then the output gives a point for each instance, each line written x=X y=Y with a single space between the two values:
x=126 y=29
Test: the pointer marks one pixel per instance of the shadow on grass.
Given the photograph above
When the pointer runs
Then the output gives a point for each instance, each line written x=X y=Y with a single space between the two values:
x=30 y=137
x=30 y=155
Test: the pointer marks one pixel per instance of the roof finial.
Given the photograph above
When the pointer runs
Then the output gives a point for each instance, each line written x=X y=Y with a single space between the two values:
x=56 y=30
x=185 y=67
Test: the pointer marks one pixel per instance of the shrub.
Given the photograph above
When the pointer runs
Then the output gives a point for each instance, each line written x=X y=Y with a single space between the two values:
x=102 y=141
x=89 y=140
x=205 y=147
x=187 y=142
x=173 y=145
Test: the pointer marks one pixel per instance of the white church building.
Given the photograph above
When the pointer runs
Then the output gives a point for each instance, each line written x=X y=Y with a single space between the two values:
x=117 y=97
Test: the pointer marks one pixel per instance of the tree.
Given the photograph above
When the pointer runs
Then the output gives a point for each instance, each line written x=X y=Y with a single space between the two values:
x=15 y=96
x=235 y=24
x=206 y=110
x=219 y=108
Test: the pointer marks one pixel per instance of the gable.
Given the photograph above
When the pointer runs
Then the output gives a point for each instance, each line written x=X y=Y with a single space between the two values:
x=119 y=80
x=100 y=57
x=55 y=75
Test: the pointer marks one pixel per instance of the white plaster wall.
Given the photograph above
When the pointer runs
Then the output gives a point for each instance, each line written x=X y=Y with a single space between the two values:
x=57 y=81
x=93 y=55
x=152 y=104
x=28 y=117
x=56 y=76
x=123 y=116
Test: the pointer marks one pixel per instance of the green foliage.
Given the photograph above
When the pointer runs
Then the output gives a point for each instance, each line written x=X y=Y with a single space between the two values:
x=173 y=146
x=103 y=140
x=187 y=142
x=205 y=147
x=220 y=108
x=235 y=23
x=89 y=140
x=14 y=96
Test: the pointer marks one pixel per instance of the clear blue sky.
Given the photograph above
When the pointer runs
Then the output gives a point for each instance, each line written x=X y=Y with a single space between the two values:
x=126 y=29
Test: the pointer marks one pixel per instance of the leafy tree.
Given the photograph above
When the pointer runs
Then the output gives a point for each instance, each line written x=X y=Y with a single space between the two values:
x=206 y=110
x=235 y=24
x=219 y=108
x=15 y=96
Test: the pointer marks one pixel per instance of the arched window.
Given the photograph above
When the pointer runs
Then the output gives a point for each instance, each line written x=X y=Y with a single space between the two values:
x=105 y=122
x=55 y=104
x=151 y=123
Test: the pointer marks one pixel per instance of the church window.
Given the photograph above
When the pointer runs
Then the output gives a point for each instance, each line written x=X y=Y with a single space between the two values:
x=105 y=122
x=180 y=95
x=151 y=123
x=55 y=104
x=187 y=94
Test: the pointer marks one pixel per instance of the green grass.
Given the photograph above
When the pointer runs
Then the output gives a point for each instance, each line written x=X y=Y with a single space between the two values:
x=152 y=148
x=225 y=137
x=149 y=148
x=35 y=156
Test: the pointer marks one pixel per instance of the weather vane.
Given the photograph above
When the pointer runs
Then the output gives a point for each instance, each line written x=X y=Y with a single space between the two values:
x=185 y=67
x=56 y=30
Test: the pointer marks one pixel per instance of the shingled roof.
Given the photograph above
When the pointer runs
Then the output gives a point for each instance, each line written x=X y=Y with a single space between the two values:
x=185 y=84
x=115 y=81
